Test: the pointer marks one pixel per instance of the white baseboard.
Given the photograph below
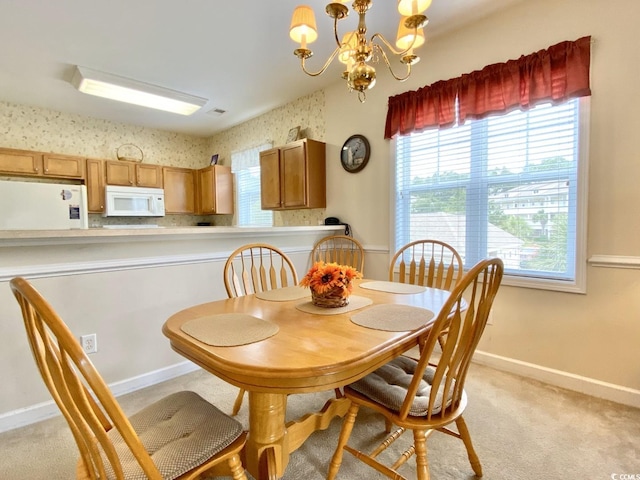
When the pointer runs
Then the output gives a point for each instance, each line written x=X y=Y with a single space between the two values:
x=42 y=411
x=558 y=378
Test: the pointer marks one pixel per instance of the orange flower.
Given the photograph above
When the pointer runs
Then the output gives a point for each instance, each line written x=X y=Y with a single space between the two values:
x=324 y=277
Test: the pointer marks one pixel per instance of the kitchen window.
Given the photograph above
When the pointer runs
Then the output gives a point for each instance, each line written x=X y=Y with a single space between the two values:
x=508 y=185
x=246 y=168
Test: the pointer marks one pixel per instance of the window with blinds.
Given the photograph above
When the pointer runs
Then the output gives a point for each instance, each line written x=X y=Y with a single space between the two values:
x=510 y=186
x=246 y=168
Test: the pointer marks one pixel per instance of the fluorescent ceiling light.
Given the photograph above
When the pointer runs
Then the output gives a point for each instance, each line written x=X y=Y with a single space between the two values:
x=138 y=93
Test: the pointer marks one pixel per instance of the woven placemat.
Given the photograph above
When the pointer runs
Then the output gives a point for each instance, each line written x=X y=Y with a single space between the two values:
x=229 y=329
x=355 y=302
x=284 y=294
x=393 y=318
x=393 y=287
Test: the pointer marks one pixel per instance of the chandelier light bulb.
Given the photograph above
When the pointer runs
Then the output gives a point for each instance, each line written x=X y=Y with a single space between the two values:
x=303 y=28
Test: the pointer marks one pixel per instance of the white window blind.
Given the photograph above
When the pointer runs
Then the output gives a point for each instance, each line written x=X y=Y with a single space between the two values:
x=246 y=167
x=508 y=186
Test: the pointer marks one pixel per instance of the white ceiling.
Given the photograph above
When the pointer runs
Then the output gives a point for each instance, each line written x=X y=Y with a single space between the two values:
x=237 y=54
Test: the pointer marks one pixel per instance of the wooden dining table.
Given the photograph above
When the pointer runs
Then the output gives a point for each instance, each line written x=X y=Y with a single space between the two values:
x=311 y=352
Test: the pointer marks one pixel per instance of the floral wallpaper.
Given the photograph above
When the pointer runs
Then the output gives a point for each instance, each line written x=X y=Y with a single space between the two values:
x=33 y=128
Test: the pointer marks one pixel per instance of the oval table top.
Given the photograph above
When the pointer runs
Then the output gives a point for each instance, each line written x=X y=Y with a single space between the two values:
x=310 y=352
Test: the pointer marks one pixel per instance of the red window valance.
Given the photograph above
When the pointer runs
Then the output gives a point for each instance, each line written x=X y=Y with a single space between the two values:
x=555 y=74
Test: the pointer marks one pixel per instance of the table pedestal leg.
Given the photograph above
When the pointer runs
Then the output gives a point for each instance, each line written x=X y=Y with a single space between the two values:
x=267 y=455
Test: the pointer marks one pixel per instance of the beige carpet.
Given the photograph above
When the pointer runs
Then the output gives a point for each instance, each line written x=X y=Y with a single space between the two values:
x=522 y=430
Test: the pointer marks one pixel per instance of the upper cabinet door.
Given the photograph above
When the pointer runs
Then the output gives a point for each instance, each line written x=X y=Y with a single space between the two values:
x=120 y=173
x=270 y=179
x=20 y=162
x=215 y=190
x=63 y=166
x=149 y=176
x=95 y=185
x=294 y=176
x=179 y=190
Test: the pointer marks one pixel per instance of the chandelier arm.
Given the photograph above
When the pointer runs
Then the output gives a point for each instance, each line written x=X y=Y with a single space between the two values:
x=390 y=46
x=386 y=61
x=335 y=32
x=324 y=67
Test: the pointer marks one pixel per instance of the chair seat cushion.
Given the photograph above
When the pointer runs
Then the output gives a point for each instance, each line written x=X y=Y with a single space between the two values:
x=388 y=386
x=180 y=432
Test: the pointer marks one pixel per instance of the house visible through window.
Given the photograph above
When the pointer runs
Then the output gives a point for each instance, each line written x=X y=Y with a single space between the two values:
x=246 y=167
x=510 y=185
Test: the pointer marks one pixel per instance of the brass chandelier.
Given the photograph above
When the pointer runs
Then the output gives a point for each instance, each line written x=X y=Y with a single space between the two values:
x=353 y=49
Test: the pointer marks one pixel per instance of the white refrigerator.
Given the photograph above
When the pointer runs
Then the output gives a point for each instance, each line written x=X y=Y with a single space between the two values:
x=42 y=206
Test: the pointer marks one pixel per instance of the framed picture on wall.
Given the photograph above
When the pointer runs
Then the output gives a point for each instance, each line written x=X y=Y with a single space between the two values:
x=214 y=159
x=293 y=134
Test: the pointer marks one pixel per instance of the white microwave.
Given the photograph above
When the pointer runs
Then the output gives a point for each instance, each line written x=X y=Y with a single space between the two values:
x=133 y=202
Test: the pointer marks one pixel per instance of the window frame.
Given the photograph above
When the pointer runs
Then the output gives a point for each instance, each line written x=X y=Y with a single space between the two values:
x=579 y=283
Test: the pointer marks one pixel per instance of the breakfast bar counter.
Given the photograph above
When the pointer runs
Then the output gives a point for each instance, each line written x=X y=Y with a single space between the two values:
x=129 y=232
x=42 y=253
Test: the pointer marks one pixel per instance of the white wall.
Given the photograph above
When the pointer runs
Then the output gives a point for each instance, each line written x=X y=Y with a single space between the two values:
x=593 y=335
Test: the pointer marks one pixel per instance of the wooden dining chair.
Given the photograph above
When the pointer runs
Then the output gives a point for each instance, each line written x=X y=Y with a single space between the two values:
x=181 y=436
x=430 y=263
x=340 y=249
x=256 y=267
x=424 y=397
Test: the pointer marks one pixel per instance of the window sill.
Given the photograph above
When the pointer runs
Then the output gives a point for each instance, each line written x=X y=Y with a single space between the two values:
x=578 y=286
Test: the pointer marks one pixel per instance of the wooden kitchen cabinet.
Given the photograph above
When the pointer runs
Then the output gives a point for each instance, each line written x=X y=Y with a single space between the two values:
x=133 y=174
x=120 y=173
x=215 y=190
x=94 y=180
x=20 y=162
x=148 y=175
x=29 y=163
x=294 y=176
x=63 y=166
x=179 y=190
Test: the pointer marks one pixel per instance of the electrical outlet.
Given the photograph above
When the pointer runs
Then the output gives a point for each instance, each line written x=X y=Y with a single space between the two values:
x=89 y=343
x=490 y=318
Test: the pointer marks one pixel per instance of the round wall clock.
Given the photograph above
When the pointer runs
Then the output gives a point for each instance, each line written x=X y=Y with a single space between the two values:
x=355 y=153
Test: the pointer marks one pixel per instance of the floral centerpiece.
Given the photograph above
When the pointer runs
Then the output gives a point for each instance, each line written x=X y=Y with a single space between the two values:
x=330 y=283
